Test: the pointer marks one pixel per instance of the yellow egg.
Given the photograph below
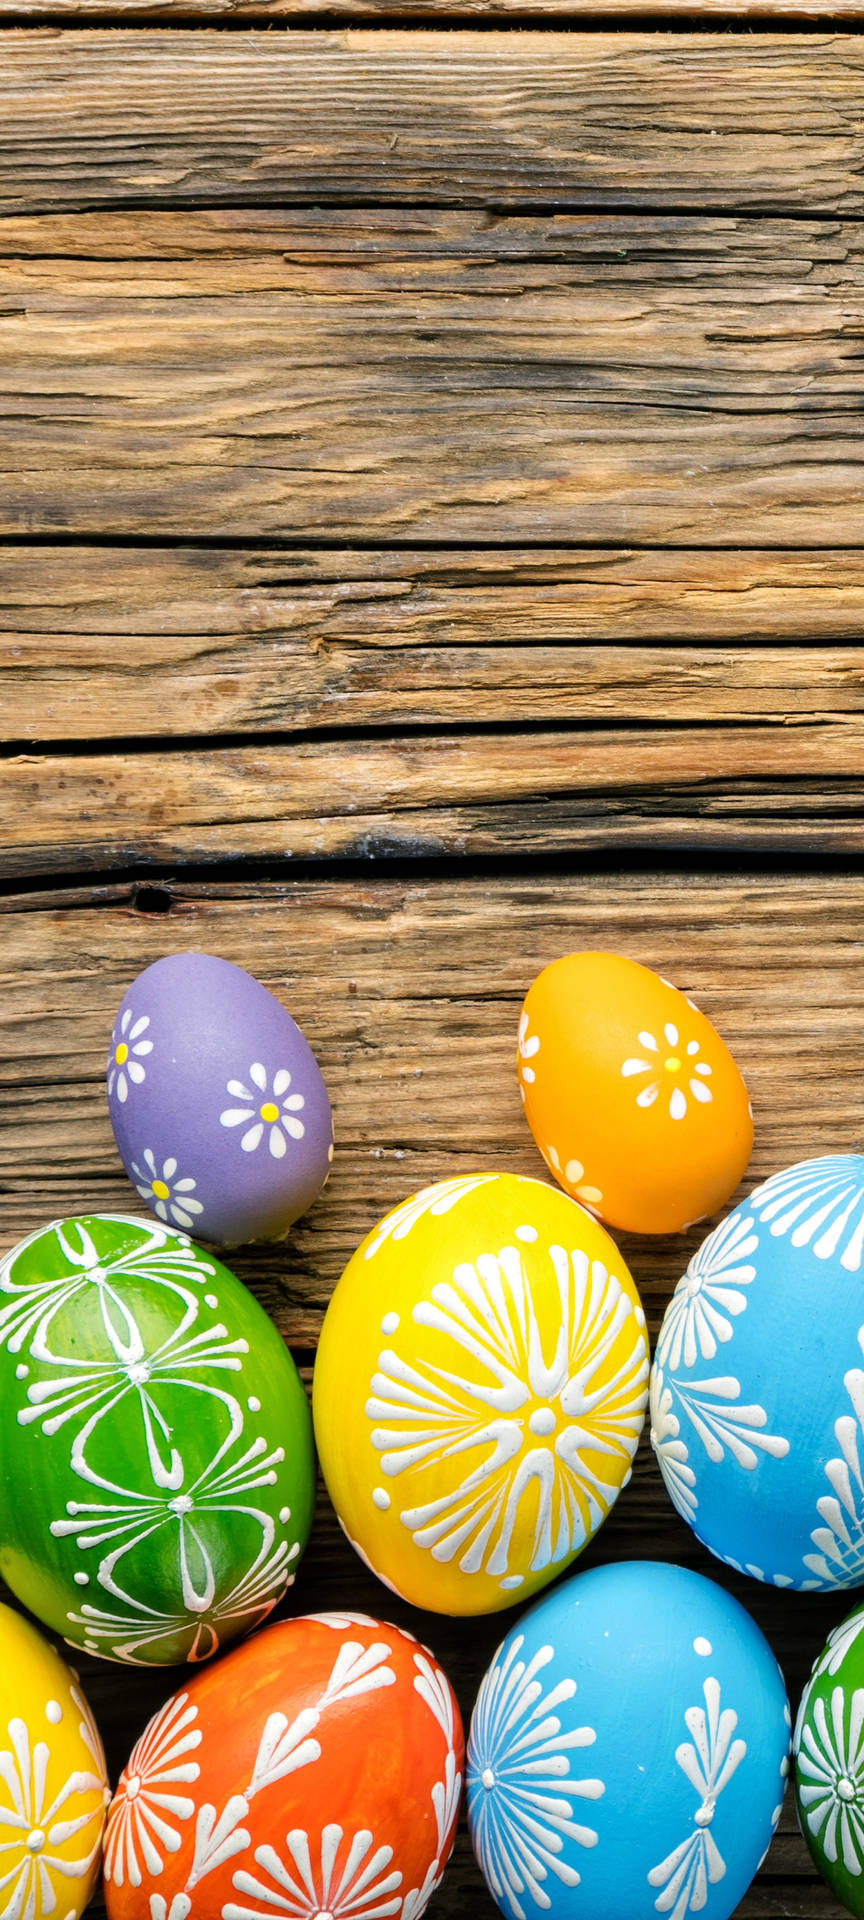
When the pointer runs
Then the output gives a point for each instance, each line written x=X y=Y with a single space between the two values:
x=635 y=1103
x=53 y=1787
x=479 y=1390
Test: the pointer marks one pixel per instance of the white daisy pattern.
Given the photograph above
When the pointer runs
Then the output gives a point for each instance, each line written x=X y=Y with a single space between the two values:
x=521 y=1793
x=130 y=1046
x=710 y=1295
x=674 y=1068
x=151 y=1797
x=265 y=1109
x=170 y=1195
x=830 y=1767
x=335 y=1880
x=708 y=1760
x=32 y=1826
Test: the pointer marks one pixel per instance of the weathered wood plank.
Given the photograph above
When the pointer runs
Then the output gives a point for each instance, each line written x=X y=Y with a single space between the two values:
x=438 y=13
x=717 y=120
x=664 y=381
x=234 y=641
x=743 y=788
x=389 y=978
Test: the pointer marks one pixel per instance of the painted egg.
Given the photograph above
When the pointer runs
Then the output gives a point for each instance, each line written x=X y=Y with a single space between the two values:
x=316 y=1772
x=631 y=1740
x=160 y=1428
x=636 y=1105
x=218 y=1107
x=829 y=1762
x=757 y=1390
x=53 y=1786
x=479 y=1390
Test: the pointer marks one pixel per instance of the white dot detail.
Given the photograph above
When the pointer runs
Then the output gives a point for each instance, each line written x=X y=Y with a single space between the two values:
x=487 y=1779
x=542 y=1421
x=210 y=1300
x=21 y=1371
x=702 y=1646
x=528 y=1234
x=285 y=1515
x=253 y=1404
x=574 y=1171
x=82 y=1579
x=390 y=1323
x=54 y=1712
x=381 y=1498
x=512 y=1580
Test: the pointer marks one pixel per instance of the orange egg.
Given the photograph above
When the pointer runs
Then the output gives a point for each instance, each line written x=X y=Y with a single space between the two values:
x=635 y=1103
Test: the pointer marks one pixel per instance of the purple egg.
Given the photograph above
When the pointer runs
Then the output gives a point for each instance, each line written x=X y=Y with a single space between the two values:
x=217 y=1102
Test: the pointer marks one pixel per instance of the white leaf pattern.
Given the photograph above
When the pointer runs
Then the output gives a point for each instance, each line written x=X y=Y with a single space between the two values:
x=708 y=1761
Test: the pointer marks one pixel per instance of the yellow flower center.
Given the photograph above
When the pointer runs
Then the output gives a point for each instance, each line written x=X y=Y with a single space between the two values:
x=673 y=1063
x=121 y=1054
x=268 y=1111
x=160 y=1190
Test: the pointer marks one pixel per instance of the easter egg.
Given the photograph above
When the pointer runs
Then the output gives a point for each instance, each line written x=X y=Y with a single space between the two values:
x=53 y=1787
x=479 y=1390
x=218 y=1107
x=630 y=1740
x=156 y=1464
x=757 y=1391
x=829 y=1762
x=315 y=1771
x=634 y=1101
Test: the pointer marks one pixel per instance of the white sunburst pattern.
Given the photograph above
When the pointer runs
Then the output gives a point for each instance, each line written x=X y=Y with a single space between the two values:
x=529 y=1416
x=158 y=1255
x=676 y=1071
x=151 y=1805
x=840 y=1640
x=818 y=1204
x=707 y=1760
x=839 y=1542
x=522 y=1797
x=435 y=1200
x=341 y=1879
x=35 y=1823
x=711 y=1294
x=673 y=1454
x=722 y=1423
x=830 y=1768
x=137 y=1636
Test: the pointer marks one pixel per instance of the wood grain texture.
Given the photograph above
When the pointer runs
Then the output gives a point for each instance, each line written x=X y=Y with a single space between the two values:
x=195 y=641
x=438 y=13
x=661 y=380
x=708 y=120
x=410 y=993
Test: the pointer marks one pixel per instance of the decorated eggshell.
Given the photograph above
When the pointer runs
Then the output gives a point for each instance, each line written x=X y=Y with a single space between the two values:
x=636 y=1105
x=316 y=1771
x=757 y=1392
x=53 y=1786
x=829 y=1762
x=218 y=1107
x=628 y=1751
x=160 y=1429
x=479 y=1390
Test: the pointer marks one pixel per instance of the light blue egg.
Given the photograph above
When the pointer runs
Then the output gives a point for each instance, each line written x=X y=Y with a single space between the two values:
x=628 y=1751
x=757 y=1390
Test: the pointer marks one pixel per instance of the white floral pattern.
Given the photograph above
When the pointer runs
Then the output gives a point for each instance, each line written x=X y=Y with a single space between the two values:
x=839 y=1559
x=528 y=1045
x=436 y=1200
x=343 y=1881
x=150 y=1801
x=710 y=1295
x=673 y=1455
x=714 y=1411
x=670 y=1061
x=32 y=1826
x=168 y=1195
x=707 y=1760
x=129 y=1047
x=840 y=1640
x=818 y=1204
x=271 y=1109
x=830 y=1767
x=539 y=1453
x=521 y=1793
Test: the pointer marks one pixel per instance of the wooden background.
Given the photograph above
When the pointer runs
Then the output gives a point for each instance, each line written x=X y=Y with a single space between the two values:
x=431 y=541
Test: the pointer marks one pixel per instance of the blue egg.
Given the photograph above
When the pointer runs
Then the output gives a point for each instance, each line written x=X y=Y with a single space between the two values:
x=628 y=1751
x=757 y=1389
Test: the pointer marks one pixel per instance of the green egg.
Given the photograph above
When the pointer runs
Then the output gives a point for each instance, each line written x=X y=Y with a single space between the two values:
x=829 y=1762
x=157 y=1471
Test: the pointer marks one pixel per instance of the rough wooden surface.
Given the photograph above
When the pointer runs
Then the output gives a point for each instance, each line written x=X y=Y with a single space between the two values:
x=714 y=120
x=456 y=378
